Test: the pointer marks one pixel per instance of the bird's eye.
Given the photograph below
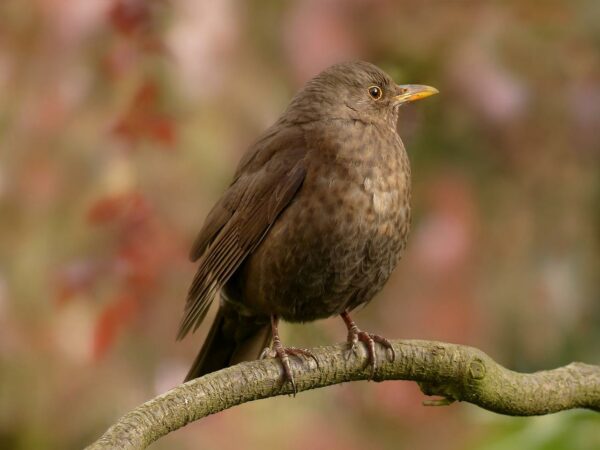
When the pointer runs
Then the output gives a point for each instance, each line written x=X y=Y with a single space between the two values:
x=375 y=92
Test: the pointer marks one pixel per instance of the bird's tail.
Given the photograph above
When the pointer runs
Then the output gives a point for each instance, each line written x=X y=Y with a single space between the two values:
x=232 y=338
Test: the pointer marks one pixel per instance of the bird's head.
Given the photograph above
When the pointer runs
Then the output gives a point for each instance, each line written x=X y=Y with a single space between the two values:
x=356 y=91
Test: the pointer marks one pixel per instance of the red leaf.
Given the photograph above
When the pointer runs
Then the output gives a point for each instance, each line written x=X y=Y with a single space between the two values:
x=129 y=16
x=162 y=130
x=131 y=206
x=144 y=119
x=114 y=317
x=105 y=209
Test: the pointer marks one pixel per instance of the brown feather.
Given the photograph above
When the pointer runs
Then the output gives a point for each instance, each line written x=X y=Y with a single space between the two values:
x=239 y=222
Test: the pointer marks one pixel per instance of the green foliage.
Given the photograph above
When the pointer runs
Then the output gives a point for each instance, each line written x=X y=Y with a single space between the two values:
x=574 y=430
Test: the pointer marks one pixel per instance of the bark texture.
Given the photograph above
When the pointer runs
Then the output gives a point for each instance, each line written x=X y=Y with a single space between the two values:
x=454 y=372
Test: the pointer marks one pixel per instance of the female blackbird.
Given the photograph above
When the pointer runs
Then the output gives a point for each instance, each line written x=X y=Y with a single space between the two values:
x=313 y=223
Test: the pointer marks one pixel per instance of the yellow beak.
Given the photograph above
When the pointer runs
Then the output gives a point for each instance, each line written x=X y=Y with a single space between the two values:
x=412 y=92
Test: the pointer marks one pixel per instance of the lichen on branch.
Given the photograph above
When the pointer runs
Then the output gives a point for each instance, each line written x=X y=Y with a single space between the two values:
x=454 y=372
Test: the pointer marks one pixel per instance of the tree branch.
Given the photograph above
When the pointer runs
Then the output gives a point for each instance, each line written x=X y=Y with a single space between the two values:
x=454 y=372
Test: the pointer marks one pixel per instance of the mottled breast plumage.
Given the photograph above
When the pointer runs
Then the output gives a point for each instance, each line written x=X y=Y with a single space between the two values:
x=337 y=242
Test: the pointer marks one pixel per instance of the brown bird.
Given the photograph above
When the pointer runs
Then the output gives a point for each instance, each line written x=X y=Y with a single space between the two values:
x=313 y=223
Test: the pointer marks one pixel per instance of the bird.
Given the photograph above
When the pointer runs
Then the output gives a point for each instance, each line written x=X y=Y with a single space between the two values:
x=311 y=226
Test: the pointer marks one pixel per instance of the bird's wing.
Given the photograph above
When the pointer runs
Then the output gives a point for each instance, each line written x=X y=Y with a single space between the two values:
x=217 y=218
x=242 y=218
x=274 y=140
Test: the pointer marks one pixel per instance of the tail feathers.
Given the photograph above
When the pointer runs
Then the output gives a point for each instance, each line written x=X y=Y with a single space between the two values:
x=231 y=339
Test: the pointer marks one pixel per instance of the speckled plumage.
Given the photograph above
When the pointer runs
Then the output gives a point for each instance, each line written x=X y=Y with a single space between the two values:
x=314 y=221
x=337 y=242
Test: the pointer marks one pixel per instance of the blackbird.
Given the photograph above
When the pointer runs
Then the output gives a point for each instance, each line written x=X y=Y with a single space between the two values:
x=313 y=223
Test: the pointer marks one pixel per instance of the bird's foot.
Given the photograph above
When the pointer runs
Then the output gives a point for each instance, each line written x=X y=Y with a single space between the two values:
x=277 y=350
x=355 y=335
x=283 y=354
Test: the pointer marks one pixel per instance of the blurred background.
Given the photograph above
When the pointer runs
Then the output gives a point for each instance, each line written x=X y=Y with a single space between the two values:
x=122 y=121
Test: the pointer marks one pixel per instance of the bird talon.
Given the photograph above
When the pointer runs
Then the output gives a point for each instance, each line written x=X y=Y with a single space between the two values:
x=277 y=350
x=266 y=353
x=352 y=347
x=355 y=335
x=283 y=354
x=386 y=343
x=301 y=352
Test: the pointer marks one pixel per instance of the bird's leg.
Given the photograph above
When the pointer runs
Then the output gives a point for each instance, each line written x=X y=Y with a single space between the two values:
x=277 y=350
x=355 y=335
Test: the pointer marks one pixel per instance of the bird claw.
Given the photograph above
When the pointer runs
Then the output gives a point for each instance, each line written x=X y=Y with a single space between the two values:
x=352 y=345
x=355 y=335
x=267 y=353
x=283 y=354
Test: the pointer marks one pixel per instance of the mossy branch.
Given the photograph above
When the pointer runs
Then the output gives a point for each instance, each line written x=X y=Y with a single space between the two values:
x=454 y=372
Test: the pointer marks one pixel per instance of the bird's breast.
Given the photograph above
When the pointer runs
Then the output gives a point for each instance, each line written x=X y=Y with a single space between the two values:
x=366 y=171
x=340 y=238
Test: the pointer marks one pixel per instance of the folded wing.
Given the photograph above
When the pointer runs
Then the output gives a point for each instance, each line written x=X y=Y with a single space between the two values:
x=267 y=183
